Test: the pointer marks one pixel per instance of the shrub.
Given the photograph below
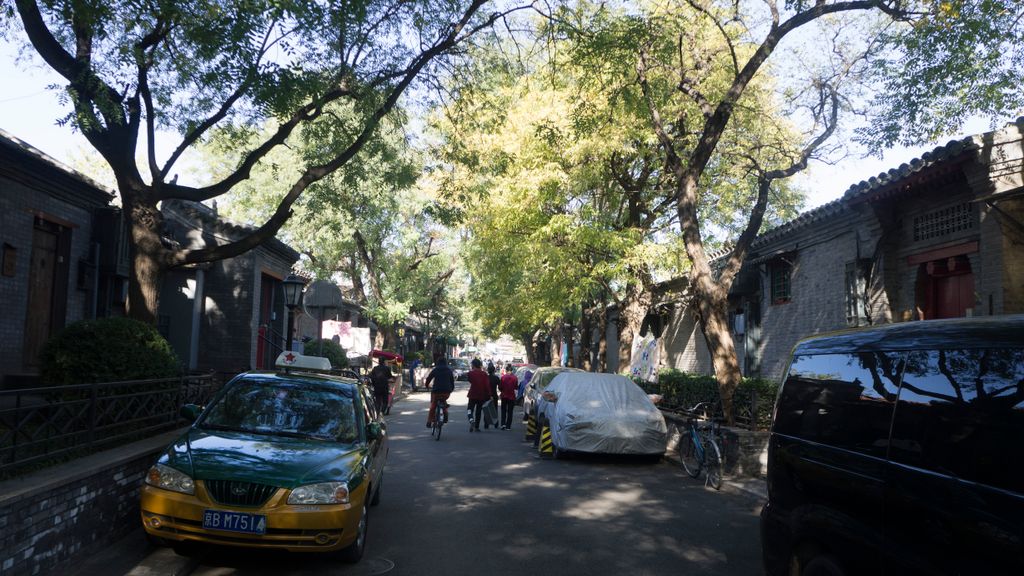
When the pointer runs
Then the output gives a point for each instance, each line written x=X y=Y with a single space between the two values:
x=682 y=391
x=107 y=350
x=331 y=350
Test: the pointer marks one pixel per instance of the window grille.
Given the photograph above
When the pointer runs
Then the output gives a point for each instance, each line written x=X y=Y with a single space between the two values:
x=944 y=222
x=856 y=286
x=781 y=274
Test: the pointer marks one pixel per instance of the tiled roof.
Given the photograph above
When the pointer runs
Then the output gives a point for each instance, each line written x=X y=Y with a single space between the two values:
x=807 y=218
x=949 y=151
x=20 y=146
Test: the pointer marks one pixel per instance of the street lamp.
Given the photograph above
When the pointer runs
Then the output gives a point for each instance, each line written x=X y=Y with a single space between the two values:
x=293 y=286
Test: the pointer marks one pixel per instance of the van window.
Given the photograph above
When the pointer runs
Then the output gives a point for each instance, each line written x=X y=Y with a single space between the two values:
x=843 y=400
x=961 y=412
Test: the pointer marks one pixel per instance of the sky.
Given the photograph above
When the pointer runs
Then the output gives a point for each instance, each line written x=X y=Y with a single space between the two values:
x=29 y=111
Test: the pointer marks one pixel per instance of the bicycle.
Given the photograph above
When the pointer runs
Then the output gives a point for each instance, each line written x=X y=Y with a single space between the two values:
x=699 y=450
x=439 y=409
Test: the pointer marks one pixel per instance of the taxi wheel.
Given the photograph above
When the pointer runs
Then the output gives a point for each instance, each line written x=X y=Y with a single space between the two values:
x=354 y=552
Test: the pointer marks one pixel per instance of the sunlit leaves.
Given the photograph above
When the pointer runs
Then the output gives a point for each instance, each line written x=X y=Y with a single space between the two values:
x=959 y=58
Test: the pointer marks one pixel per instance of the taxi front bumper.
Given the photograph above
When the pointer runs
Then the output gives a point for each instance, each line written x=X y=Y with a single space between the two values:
x=177 y=517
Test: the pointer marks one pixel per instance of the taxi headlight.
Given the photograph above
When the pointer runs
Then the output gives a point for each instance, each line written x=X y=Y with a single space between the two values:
x=170 y=479
x=322 y=493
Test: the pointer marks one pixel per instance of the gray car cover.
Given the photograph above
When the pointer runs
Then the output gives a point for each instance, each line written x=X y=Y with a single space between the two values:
x=604 y=413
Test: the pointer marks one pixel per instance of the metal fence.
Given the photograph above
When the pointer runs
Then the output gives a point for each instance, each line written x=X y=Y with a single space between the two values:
x=38 y=425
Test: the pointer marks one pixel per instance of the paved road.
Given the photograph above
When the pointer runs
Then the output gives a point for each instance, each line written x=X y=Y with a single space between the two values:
x=485 y=503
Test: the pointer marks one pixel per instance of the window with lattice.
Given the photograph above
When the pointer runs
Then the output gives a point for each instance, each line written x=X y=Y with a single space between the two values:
x=781 y=273
x=944 y=222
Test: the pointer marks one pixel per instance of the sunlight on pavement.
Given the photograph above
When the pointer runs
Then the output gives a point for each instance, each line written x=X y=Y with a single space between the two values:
x=609 y=504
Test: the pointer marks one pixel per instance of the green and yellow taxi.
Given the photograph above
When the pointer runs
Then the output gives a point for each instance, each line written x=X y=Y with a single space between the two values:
x=290 y=460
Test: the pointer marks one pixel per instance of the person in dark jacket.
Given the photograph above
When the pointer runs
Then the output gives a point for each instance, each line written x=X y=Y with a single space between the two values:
x=479 y=392
x=441 y=382
x=493 y=381
x=380 y=380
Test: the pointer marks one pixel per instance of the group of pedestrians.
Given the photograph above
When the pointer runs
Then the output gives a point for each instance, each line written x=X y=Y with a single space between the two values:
x=484 y=387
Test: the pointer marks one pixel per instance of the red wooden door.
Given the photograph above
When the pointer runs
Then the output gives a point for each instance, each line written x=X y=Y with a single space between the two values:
x=950 y=290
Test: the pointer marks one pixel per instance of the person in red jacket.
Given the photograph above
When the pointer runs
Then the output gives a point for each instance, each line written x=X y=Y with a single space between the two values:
x=479 y=392
x=509 y=386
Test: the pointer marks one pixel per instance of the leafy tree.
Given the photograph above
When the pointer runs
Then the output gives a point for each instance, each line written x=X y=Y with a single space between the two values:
x=187 y=67
x=949 y=60
x=366 y=225
x=701 y=66
x=575 y=206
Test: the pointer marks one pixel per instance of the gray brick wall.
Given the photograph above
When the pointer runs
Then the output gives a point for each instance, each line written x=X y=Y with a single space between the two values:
x=57 y=517
x=18 y=204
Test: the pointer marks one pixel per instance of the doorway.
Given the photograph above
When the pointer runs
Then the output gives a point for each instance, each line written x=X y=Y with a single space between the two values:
x=47 y=287
x=949 y=288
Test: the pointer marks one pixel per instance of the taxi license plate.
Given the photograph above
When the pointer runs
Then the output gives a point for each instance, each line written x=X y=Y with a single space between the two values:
x=234 y=522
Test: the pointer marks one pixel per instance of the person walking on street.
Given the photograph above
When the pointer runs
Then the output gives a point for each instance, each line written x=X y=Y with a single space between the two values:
x=509 y=385
x=479 y=392
x=380 y=380
x=493 y=381
x=441 y=382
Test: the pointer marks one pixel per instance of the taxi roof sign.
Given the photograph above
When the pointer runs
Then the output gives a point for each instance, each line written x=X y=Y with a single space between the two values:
x=289 y=359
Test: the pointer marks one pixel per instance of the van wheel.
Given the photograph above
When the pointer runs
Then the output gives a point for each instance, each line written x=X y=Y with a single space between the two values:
x=823 y=565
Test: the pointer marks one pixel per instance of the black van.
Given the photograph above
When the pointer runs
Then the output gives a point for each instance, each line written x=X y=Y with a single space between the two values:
x=900 y=450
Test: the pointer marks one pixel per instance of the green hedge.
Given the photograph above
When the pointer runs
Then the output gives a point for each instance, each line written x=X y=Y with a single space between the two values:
x=331 y=350
x=681 y=391
x=107 y=350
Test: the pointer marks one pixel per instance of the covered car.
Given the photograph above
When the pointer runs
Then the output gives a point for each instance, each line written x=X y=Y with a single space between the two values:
x=601 y=413
x=540 y=380
x=288 y=460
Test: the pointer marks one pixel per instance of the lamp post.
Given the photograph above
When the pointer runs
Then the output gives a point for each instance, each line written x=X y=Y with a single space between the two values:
x=293 y=286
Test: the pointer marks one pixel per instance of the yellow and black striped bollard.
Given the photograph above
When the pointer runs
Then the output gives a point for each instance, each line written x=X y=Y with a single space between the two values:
x=531 y=428
x=547 y=446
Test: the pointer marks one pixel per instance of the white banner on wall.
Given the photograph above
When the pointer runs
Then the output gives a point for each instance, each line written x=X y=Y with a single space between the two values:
x=645 y=358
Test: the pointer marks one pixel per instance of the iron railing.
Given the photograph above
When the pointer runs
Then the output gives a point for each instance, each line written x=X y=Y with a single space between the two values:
x=58 y=422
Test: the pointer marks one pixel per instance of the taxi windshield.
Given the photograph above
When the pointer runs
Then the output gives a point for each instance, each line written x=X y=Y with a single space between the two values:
x=273 y=408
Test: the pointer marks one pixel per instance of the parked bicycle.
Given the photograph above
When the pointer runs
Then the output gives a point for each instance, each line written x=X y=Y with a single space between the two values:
x=439 y=411
x=699 y=450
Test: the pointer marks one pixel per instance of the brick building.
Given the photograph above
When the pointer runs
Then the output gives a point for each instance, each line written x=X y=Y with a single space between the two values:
x=65 y=258
x=940 y=237
x=212 y=313
x=49 y=253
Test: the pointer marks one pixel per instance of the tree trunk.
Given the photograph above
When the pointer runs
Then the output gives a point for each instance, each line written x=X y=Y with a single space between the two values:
x=147 y=255
x=715 y=324
x=602 y=338
x=556 y=346
x=531 y=353
x=586 y=338
x=631 y=316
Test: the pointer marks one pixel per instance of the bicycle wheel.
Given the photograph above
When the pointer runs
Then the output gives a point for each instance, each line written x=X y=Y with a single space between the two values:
x=438 y=422
x=713 y=463
x=689 y=455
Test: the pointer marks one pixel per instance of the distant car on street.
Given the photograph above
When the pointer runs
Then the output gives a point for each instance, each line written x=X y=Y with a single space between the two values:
x=460 y=367
x=601 y=413
x=287 y=460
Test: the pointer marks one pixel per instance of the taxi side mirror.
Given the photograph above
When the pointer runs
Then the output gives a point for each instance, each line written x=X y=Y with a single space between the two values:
x=190 y=412
x=374 y=430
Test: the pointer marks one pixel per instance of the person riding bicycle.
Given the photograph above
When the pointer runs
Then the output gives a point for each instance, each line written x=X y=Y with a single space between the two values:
x=380 y=381
x=441 y=383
